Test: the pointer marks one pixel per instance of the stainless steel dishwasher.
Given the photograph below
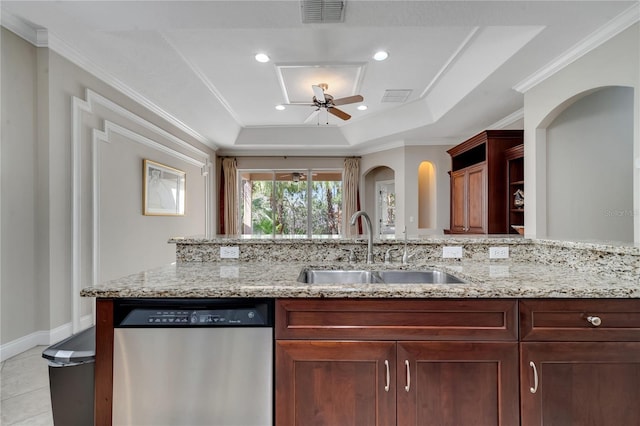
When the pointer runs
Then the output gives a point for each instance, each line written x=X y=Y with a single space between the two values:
x=193 y=362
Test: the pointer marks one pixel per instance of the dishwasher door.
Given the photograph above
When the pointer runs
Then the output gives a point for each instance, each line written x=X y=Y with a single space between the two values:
x=218 y=375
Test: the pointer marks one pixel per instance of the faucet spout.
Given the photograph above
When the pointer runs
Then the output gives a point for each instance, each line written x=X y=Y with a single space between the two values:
x=367 y=221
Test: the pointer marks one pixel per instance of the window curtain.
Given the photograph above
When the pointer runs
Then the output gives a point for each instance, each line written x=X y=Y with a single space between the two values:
x=230 y=174
x=350 y=202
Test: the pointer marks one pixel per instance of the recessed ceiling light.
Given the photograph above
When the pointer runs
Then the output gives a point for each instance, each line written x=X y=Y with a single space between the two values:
x=261 y=57
x=279 y=107
x=362 y=107
x=381 y=55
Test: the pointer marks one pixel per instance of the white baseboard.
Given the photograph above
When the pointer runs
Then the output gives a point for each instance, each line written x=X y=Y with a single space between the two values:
x=41 y=338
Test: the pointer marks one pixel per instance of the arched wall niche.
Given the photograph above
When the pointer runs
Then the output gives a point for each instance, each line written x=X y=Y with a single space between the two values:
x=614 y=63
x=427 y=197
x=589 y=166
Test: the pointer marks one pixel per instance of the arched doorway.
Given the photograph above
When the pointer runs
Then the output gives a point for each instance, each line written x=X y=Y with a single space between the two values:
x=380 y=189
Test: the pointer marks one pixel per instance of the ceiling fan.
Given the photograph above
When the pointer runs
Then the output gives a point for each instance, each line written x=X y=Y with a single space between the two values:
x=294 y=176
x=322 y=100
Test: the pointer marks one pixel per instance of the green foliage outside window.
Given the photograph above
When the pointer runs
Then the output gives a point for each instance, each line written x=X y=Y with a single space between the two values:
x=280 y=207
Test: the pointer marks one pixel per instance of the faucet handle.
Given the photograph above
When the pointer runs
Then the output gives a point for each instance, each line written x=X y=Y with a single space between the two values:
x=352 y=255
x=387 y=255
x=406 y=256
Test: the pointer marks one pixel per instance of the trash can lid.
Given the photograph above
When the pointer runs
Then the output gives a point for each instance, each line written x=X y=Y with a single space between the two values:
x=80 y=347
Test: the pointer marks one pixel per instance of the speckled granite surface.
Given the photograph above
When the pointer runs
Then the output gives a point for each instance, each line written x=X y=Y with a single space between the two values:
x=614 y=260
x=336 y=250
x=484 y=279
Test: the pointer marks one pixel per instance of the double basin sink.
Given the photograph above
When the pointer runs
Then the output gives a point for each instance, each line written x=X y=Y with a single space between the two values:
x=428 y=276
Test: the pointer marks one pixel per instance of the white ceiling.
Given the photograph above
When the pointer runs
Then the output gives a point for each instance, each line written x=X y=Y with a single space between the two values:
x=194 y=62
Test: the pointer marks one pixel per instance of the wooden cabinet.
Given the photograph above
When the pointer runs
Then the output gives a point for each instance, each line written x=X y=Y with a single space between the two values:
x=515 y=182
x=580 y=362
x=460 y=366
x=479 y=182
x=334 y=383
x=457 y=383
x=469 y=198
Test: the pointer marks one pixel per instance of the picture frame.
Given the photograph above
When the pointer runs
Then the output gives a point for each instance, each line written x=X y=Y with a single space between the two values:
x=164 y=190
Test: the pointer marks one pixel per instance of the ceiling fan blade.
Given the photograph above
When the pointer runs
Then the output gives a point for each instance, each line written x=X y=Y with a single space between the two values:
x=319 y=94
x=339 y=113
x=312 y=116
x=348 y=100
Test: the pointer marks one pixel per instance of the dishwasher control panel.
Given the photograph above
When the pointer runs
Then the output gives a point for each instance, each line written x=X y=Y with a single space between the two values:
x=186 y=316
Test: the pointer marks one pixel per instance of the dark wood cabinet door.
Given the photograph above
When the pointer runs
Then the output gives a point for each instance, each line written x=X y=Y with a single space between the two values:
x=477 y=199
x=457 y=384
x=458 y=202
x=334 y=383
x=580 y=383
x=469 y=200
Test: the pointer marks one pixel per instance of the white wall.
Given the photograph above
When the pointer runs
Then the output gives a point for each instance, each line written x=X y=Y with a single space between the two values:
x=614 y=63
x=590 y=168
x=19 y=162
x=55 y=192
x=393 y=159
x=289 y=162
x=405 y=161
x=441 y=161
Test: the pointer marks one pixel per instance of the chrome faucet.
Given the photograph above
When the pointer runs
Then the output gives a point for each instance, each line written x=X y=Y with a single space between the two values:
x=367 y=220
x=405 y=253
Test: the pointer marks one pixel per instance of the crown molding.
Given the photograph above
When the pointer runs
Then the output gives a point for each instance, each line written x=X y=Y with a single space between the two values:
x=62 y=48
x=454 y=57
x=39 y=37
x=600 y=36
x=504 y=122
x=203 y=78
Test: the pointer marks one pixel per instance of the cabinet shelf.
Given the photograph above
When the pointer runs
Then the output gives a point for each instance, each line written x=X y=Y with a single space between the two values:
x=515 y=180
x=479 y=182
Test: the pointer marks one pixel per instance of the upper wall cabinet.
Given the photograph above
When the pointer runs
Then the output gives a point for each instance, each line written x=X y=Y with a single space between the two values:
x=479 y=183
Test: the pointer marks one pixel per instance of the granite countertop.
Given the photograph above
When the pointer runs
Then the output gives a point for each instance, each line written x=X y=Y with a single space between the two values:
x=483 y=279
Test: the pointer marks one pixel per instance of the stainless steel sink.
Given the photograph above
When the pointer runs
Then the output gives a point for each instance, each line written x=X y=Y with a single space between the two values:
x=323 y=276
x=315 y=276
x=430 y=277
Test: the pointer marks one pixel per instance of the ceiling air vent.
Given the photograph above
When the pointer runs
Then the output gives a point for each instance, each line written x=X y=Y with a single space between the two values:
x=396 y=95
x=322 y=11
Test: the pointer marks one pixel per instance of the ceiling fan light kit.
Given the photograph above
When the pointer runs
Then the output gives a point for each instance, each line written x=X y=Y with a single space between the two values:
x=323 y=100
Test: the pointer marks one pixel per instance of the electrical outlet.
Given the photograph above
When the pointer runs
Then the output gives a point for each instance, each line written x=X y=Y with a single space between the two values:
x=498 y=252
x=452 y=252
x=229 y=252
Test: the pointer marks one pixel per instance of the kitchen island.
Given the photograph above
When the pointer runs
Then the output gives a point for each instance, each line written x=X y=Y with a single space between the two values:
x=537 y=308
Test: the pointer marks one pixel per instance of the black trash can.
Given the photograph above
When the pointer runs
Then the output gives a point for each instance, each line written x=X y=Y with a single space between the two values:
x=71 y=378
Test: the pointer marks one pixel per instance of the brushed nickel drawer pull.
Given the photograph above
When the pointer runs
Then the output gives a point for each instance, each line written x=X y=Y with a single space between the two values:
x=386 y=364
x=408 y=386
x=594 y=320
x=534 y=389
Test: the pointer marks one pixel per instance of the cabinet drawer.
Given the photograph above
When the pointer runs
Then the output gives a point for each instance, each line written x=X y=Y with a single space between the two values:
x=580 y=320
x=407 y=319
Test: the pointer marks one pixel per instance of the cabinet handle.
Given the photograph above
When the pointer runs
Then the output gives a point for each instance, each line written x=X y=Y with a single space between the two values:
x=534 y=389
x=594 y=320
x=408 y=386
x=386 y=364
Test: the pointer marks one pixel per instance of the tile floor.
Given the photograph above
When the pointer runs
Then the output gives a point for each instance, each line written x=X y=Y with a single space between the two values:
x=24 y=391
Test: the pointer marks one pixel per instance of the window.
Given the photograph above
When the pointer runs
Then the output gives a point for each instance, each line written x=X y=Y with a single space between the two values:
x=293 y=203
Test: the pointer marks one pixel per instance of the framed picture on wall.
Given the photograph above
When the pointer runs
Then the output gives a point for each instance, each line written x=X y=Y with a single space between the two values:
x=164 y=190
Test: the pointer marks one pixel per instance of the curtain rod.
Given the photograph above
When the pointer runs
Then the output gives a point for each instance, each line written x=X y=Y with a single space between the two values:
x=290 y=156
